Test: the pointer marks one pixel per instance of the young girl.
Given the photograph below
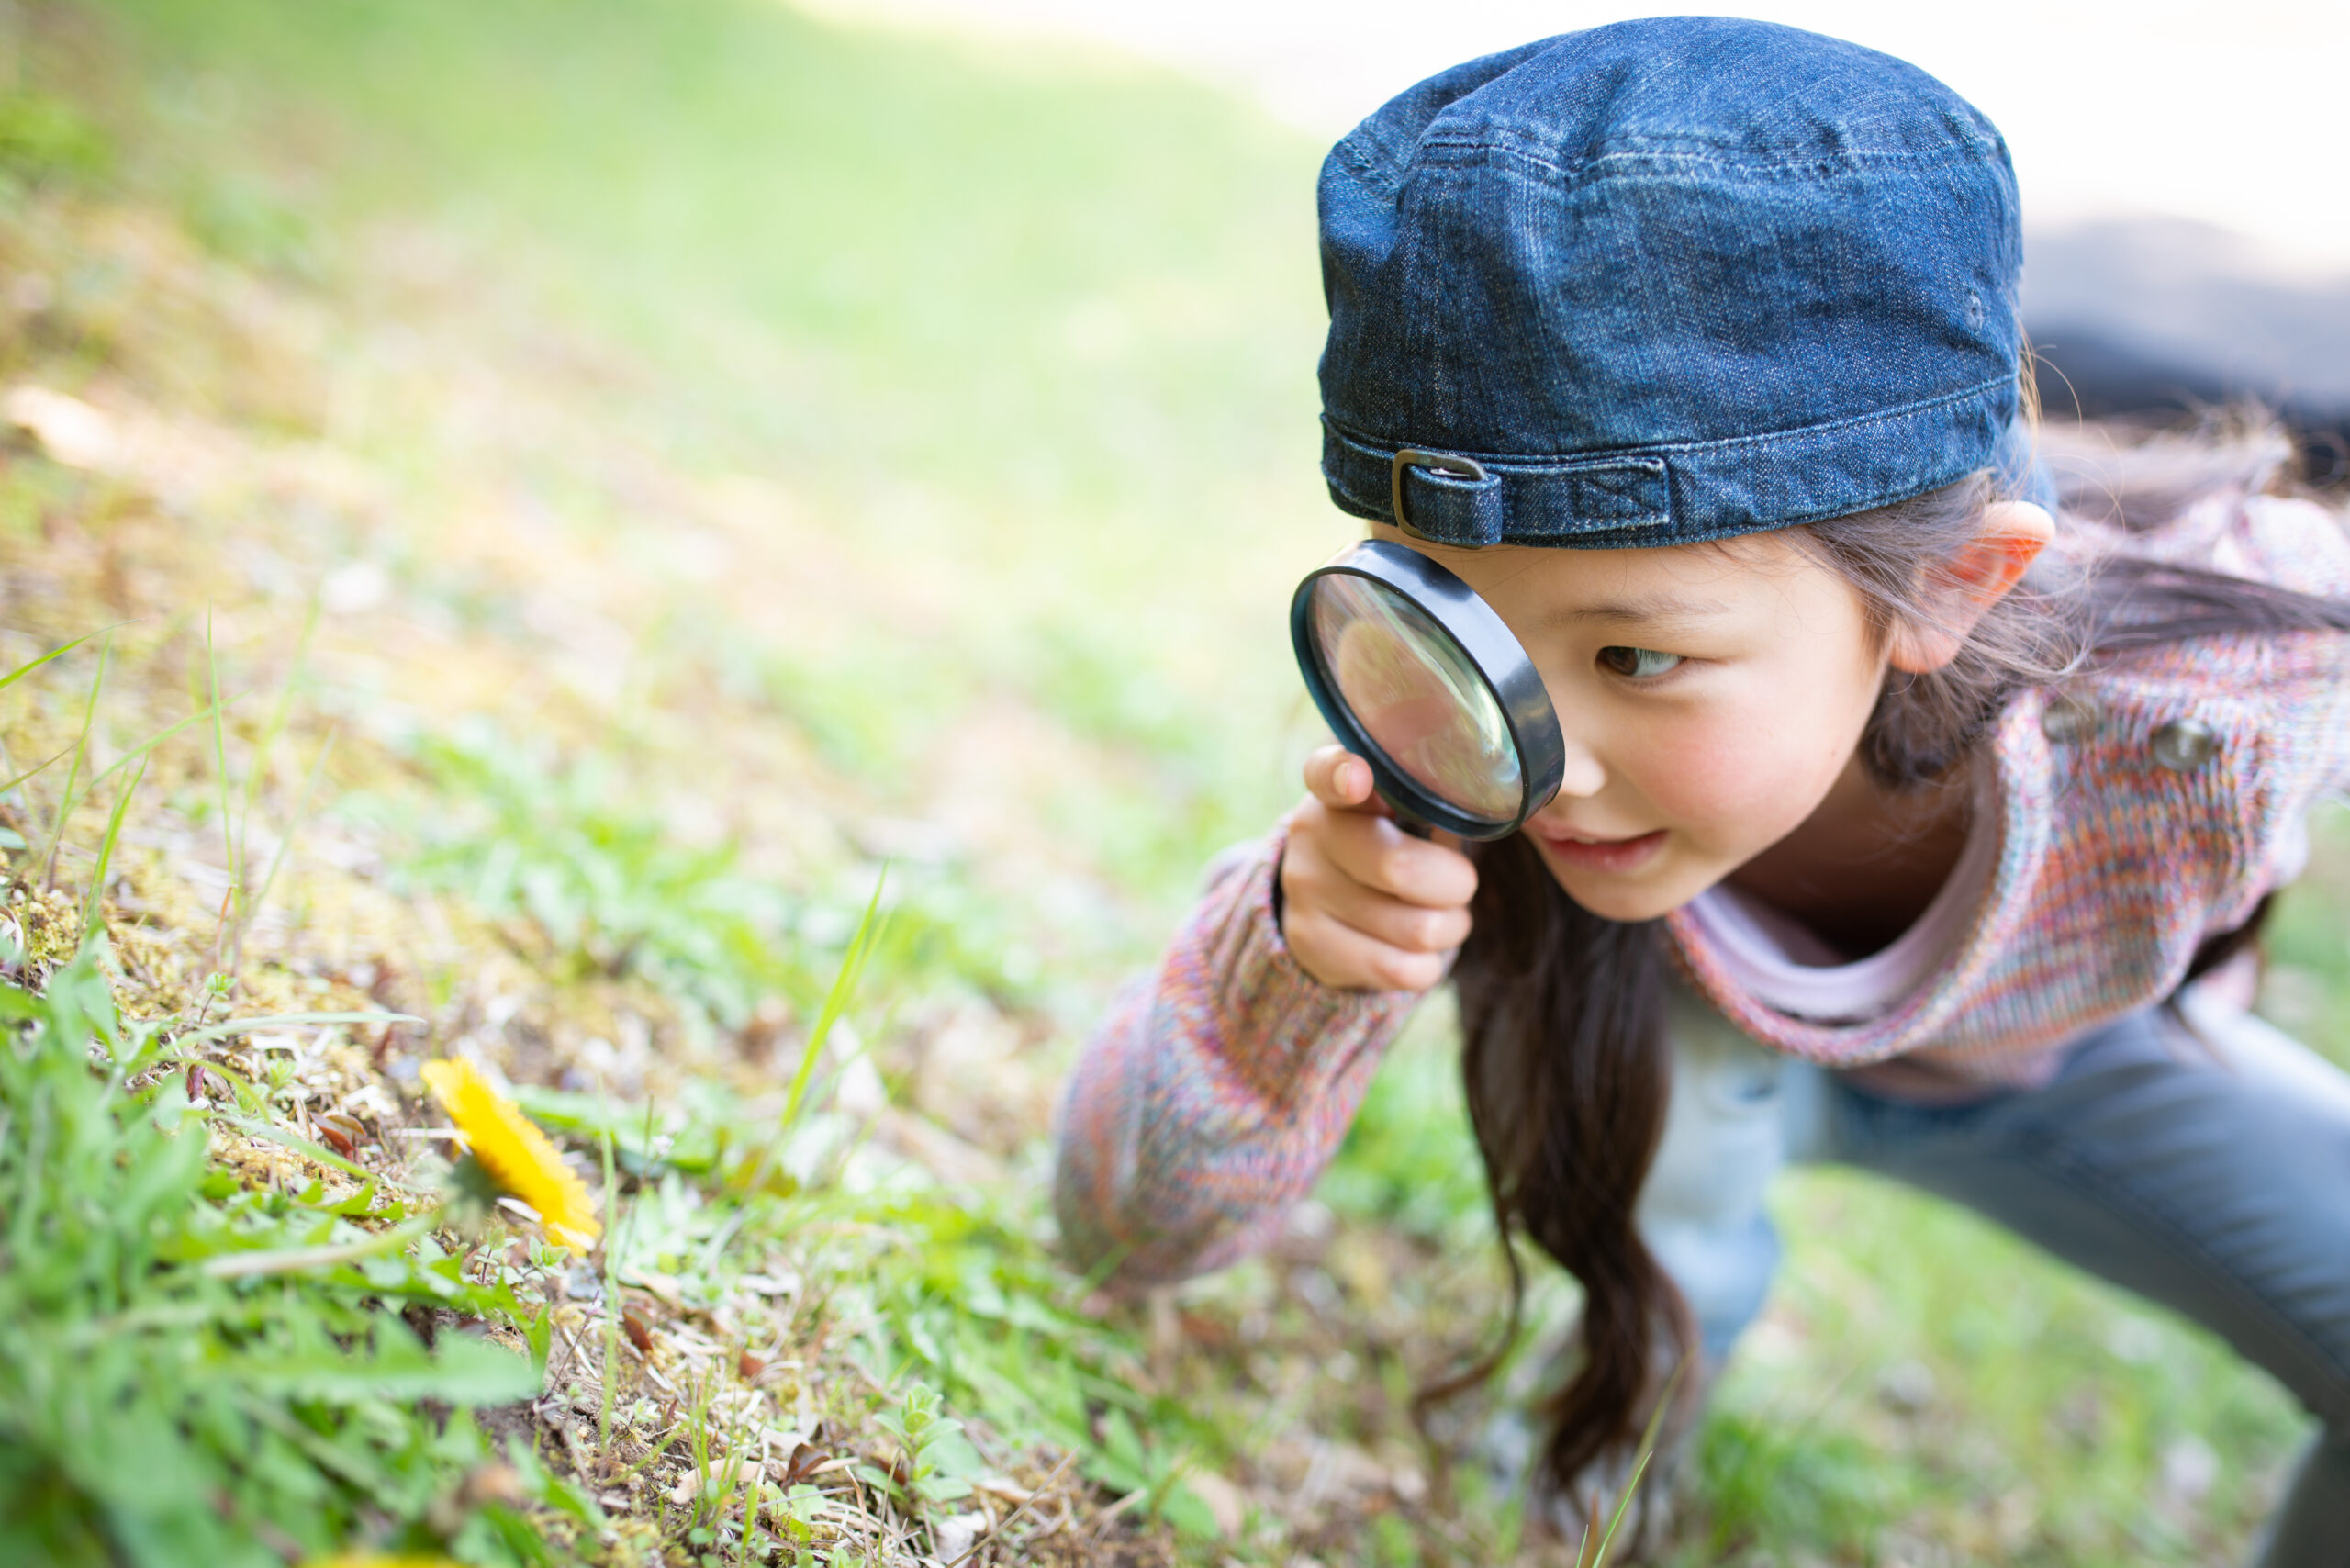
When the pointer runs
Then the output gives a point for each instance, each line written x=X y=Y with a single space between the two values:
x=1901 y=802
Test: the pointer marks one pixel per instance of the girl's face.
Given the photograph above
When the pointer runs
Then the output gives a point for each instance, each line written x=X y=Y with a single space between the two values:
x=1708 y=697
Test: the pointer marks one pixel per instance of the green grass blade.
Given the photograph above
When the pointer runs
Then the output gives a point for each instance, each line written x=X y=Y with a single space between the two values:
x=37 y=767
x=220 y=769
x=228 y=1026
x=837 y=1000
x=93 y=902
x=611 y=1294
x=158 y=738
x=135 y=757
x=249 y=909
x=303 y=1259
x=70 y=800
x=1647 y=1451
x=286 y=1137
x=279 y=712
x=23 y=670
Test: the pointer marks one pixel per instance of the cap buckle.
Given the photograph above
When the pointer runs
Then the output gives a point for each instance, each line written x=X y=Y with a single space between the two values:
x=1443 y=463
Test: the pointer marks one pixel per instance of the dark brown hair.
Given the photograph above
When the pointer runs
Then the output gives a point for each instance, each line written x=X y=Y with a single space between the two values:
x=1563 y=1012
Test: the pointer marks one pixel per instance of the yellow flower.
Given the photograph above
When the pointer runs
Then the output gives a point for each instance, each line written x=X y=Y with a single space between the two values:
x=516 y=1155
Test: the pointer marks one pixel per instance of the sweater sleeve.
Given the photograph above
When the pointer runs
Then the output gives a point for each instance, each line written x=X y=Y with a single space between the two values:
x=1214 y=1093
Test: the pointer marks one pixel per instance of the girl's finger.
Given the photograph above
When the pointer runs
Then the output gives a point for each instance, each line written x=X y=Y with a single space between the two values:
x=1414 y=928
x=1338 y=954
x=1381 y=856
x=1339 y=779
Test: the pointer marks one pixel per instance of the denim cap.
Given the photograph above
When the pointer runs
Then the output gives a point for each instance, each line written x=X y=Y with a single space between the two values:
x=1667 y=281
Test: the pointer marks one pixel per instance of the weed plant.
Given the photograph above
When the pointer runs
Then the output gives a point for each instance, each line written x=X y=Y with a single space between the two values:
x=172 y=1389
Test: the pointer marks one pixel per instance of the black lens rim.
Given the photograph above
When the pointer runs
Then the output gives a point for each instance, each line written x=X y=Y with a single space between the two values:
x=1494 y=652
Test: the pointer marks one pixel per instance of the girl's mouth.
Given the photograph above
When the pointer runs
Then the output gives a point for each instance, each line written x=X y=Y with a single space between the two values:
x=1611 y=856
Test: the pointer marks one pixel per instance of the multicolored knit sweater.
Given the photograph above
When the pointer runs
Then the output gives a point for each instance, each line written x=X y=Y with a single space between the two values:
x=2143 y=807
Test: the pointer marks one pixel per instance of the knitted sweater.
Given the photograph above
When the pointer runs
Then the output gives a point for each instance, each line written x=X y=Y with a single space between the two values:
x=2142 y=807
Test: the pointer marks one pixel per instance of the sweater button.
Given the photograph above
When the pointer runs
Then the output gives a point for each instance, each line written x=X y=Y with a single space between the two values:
x=2069 y=719
x=2182 y=745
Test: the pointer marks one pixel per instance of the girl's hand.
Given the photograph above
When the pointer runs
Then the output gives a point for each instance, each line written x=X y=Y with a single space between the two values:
x=1364 y=904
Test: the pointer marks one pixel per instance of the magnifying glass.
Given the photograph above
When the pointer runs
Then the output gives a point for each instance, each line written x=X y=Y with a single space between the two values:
x=1419 y=678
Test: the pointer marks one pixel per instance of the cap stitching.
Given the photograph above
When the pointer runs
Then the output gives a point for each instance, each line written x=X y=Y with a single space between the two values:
x=1624 y=164
x=1534 y=464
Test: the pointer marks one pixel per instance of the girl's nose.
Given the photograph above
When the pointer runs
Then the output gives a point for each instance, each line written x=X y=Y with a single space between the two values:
x=1581 y=774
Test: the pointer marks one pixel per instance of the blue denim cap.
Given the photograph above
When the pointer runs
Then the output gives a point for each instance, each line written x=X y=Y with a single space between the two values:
x=1666 y=281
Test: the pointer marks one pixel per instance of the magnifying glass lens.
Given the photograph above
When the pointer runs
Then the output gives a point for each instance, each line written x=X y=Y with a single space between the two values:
x=1416 y=695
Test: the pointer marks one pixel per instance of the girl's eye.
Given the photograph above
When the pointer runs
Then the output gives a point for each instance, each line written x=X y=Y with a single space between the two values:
x=1638 y=664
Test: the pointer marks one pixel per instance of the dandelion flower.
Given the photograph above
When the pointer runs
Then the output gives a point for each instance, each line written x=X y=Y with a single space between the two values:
x=514 y=1153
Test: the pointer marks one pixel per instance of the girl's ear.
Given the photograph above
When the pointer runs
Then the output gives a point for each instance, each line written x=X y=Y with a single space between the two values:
x=1964 y=586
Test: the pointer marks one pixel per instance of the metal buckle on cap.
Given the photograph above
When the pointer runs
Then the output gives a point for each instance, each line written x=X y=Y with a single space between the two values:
x=1443 y=463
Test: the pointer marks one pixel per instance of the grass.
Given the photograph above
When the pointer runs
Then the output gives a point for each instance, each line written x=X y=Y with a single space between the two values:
x=162 y=1406
x=583 y=491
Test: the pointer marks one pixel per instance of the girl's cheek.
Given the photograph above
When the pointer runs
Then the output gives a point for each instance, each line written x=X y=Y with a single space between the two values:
x=1737 y=779
x=1690 y=773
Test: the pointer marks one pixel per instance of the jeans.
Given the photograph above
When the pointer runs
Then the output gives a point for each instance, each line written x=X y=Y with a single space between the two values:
x=2200 y=1159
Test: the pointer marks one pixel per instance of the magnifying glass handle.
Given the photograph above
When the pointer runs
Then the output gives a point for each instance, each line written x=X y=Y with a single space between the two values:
x=1409 y=822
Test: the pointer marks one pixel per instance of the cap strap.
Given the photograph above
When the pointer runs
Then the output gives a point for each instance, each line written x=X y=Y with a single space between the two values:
x=1451 y=498
x=1464 y=475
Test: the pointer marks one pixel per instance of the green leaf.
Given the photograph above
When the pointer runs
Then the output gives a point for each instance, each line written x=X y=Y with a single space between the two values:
x=460 y=1370
x=1182 y=1507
